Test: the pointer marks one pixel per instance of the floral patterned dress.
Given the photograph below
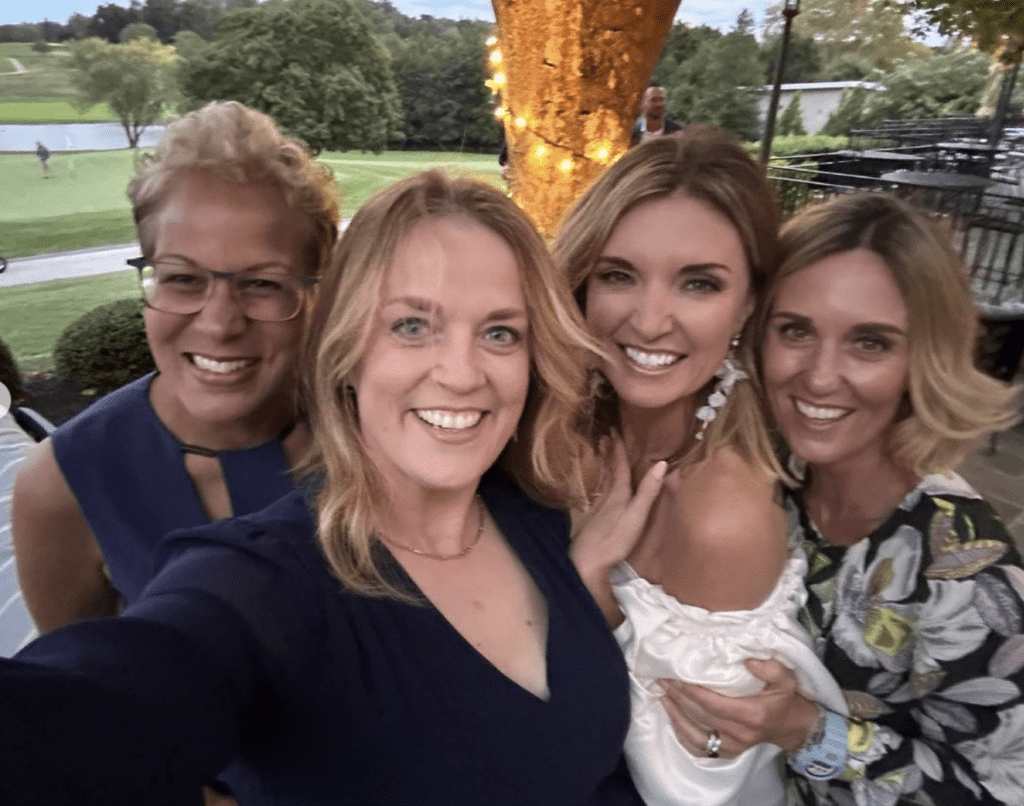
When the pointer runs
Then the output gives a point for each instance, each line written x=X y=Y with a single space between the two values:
x=921 y=624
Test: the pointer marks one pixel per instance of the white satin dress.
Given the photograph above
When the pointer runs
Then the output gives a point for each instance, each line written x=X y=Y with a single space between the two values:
x=663 y=638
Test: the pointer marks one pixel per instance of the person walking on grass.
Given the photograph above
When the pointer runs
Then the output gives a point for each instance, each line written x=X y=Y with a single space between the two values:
x=44 y=155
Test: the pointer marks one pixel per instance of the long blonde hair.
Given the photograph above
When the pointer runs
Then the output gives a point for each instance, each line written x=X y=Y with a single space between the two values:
x=705 y=163
x=352 y=493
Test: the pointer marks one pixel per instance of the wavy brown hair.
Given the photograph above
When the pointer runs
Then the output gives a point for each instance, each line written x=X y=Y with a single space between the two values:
x=705 y=163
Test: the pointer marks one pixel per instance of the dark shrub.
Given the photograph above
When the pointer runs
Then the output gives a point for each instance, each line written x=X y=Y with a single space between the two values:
x=41 y=46
x=9 y=374
x=105 y=348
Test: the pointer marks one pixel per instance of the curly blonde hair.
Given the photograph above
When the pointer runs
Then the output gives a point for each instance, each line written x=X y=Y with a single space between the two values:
x=242 y=146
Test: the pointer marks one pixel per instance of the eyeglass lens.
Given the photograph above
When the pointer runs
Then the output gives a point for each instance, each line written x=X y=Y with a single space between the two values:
x=269 y=295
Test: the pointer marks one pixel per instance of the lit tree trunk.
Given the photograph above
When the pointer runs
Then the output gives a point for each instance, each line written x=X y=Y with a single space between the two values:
x=570 y=74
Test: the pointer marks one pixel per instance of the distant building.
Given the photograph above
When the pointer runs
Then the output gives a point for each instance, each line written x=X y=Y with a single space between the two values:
x=818 y=100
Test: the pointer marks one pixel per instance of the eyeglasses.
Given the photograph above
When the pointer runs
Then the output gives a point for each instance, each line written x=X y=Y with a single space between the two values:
x=265 y=295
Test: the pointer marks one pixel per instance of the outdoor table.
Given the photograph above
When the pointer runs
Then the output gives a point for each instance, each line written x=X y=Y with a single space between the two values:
x=880 y=155
x=969 y=147
x=967 y=156
x=952 y=194
x=873 y=162
x=939 y=180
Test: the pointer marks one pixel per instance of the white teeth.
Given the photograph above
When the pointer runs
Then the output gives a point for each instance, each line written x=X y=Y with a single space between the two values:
x=220 y=366
x=646 y=359
x=451 y=420
x=820 y=412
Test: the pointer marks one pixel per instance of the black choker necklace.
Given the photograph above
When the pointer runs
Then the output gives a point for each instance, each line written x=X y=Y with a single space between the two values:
x=210 y=453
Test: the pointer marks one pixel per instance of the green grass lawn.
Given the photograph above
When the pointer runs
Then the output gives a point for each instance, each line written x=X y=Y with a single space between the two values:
x=52 y=112
x=83 y=203
x=32 y=317
x=47 y=76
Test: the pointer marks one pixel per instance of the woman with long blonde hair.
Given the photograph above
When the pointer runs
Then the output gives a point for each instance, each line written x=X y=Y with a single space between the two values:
x=666 y=254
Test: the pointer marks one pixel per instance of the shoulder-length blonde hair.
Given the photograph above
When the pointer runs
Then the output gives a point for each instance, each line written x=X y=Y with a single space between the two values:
x=242 y=146
x=352 y=492
x=951 y=403
x=704 y=163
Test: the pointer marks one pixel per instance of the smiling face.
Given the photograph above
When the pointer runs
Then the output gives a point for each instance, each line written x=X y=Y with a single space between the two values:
x=836 y=359
x=654 y=104
x=669 y=292
x=446 y=368
x=225 y=379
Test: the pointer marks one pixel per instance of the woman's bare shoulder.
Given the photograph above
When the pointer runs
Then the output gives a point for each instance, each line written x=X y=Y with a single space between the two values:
x=724 y=488
x=727 y=543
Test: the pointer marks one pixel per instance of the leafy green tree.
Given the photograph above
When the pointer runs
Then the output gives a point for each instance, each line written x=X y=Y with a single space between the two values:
x=850 y=113
x=77 y=27
x=163 y=16
x=682 y=45
x=136 y=79
x=872 y=31
x=188 y=44
x=441 y=83
x=137 y=30
x=803 y=59
x=314 y=66
x=987 y=22
x=200 y=17
x=109 y=19
x=792 y=120
x=942 y=85
x=718 y=84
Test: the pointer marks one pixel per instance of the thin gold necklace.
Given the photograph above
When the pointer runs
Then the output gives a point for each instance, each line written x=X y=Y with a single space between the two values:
x=430 y=555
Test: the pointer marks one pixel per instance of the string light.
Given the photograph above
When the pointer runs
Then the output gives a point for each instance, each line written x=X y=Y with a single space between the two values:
x=496 y=84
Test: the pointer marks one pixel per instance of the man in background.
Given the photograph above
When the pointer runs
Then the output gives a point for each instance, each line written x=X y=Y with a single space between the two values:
x=652 y=122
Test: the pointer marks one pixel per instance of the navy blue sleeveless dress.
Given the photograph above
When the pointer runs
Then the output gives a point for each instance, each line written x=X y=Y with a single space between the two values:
x=127 y=472
x=245 y=643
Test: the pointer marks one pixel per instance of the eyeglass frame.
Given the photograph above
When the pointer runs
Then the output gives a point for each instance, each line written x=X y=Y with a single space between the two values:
x=141 y=262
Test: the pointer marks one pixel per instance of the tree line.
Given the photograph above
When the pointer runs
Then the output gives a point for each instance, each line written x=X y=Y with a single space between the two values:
x=359 y=74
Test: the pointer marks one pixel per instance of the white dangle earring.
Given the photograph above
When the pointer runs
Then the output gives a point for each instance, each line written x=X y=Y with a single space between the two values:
x=727 y=375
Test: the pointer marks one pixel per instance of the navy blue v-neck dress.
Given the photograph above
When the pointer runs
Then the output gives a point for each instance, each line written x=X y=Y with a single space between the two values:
x=245 y=644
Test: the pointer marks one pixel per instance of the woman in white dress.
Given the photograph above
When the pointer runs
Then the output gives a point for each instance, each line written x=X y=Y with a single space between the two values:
x=666 y=254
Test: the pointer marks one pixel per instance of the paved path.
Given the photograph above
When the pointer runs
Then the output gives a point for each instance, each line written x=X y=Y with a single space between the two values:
x=79 y=263
x=63 y=265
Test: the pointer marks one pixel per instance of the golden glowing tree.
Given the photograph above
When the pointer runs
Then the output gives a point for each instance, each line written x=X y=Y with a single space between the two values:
x=569 y=75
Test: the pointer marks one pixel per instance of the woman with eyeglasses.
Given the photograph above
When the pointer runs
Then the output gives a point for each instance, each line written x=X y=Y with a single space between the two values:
x=235 y=220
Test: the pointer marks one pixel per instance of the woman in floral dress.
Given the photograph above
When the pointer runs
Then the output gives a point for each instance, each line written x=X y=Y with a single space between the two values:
x=916 y=591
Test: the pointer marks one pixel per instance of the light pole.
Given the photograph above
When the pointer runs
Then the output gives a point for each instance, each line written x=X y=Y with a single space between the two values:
x=789 y=11
x=1006 y=91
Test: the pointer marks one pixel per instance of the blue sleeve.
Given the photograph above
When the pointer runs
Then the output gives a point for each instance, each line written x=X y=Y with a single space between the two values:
x=135 y=708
